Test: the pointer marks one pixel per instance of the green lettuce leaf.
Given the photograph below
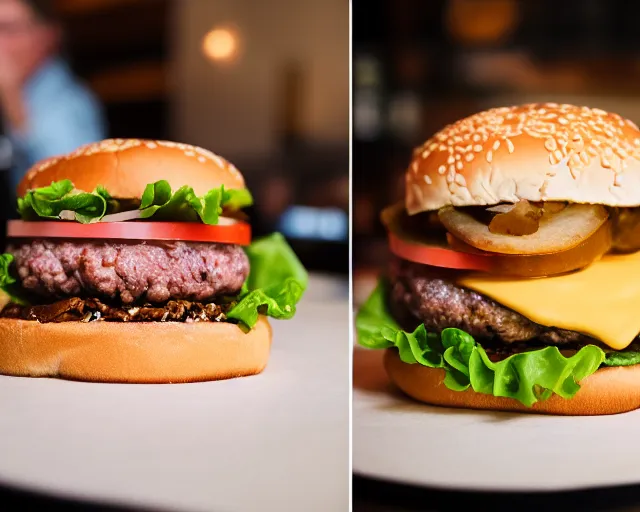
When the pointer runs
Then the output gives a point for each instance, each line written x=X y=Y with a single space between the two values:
x=157 y=201
x=527 y=377
x=48 y=202
x=8 y=283
x=624 y=358
x=277 y=280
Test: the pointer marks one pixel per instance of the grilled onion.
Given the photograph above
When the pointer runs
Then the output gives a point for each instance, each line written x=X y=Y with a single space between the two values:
x=560 y=231
x=543 y=265
x=626 y=229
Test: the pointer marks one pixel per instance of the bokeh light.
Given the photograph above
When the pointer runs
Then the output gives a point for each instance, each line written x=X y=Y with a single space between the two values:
x=221 y=44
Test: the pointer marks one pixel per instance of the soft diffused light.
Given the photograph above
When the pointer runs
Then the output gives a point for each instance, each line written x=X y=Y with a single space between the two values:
x=221 y=44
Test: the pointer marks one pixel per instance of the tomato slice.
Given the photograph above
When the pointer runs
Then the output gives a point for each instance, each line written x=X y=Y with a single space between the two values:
x=438 y=256
x=238 y=233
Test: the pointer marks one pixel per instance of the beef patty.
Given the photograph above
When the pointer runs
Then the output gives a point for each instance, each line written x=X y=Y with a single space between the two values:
x=423 y=294
x=140 y=272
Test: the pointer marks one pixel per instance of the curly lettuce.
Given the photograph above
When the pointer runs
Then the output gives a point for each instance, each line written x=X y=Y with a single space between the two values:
x=158 y=201
x=49 y=202
x=277 y=280
x=8 y=283
x=528 y=377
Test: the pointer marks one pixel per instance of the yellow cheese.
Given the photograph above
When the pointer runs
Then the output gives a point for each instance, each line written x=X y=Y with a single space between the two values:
x=602 y=301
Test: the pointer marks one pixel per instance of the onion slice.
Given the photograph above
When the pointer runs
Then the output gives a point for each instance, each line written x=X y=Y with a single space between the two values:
x=121 y=216
x=134 y=215
x=557 y=232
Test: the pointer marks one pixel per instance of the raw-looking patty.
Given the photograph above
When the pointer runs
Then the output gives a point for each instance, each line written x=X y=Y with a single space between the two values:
x=146 y=272
x=431 y=297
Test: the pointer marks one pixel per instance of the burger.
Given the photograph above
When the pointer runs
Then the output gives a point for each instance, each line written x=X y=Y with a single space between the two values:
x=132 y=261
x=514 y=281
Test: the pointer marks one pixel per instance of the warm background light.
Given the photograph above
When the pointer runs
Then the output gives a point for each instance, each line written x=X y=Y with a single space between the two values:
x=489 y=21
x=221 y=44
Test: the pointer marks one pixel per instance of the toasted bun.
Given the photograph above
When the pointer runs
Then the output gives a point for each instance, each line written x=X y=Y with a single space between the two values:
x=133 y=352
x=608 y=391
x=126 y=166
x=538 y=152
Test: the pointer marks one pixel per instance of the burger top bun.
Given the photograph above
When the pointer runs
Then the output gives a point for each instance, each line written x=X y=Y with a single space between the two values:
x=126 y=166
x=538 y=152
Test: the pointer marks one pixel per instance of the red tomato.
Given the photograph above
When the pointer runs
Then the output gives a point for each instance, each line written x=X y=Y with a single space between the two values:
x=238 y=233
x=438 y=256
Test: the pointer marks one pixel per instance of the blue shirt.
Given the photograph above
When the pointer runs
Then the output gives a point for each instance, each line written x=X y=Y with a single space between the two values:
x=62 y=114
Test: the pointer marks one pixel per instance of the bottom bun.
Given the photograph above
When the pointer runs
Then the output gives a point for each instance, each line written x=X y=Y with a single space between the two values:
x=608 y=391
x=133 y=352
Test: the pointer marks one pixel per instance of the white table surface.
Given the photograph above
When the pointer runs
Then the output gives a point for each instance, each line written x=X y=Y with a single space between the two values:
x=276 y=441
x=400 y=440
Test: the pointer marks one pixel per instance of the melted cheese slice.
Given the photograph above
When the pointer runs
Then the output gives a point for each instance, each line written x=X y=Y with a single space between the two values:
x=601 y=301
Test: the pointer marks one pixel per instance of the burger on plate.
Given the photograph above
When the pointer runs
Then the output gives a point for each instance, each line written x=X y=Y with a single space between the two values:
x=515 y=274
x=133 y=262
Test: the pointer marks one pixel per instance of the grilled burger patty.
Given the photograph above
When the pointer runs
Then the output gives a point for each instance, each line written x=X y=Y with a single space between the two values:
x=131 y=272
x=429 y=296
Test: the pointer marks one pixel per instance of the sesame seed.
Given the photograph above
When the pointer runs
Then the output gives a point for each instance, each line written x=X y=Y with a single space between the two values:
x=451 y=159
x=585 y=158
x=575 y=159
x=427 y=179
x=477 y=148
x=442 y=169
x=496 y=145
x=510 y=147
x=550 y=144
x=459 y=165
x=489 y=156
x=469 y=157
x=425 y=153
x=460 y=180
x=450 y=177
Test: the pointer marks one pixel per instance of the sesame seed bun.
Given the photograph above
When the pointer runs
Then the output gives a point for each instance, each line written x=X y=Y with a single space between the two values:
x=126 y=166
x=608 y=391
x=133 y=352
x=538 y=152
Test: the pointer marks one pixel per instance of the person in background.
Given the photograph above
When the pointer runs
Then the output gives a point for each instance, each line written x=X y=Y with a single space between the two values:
x=46 y=110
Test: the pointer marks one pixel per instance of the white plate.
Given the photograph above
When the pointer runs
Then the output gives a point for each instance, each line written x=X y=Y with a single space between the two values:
x=398 y=439
x=275 y=441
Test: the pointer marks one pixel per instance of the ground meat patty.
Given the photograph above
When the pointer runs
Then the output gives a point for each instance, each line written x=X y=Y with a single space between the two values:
x=431 y=297
x=132 y=272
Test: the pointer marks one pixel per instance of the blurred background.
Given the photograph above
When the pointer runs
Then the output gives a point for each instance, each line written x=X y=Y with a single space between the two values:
x=264 y=84
x=419 y=65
